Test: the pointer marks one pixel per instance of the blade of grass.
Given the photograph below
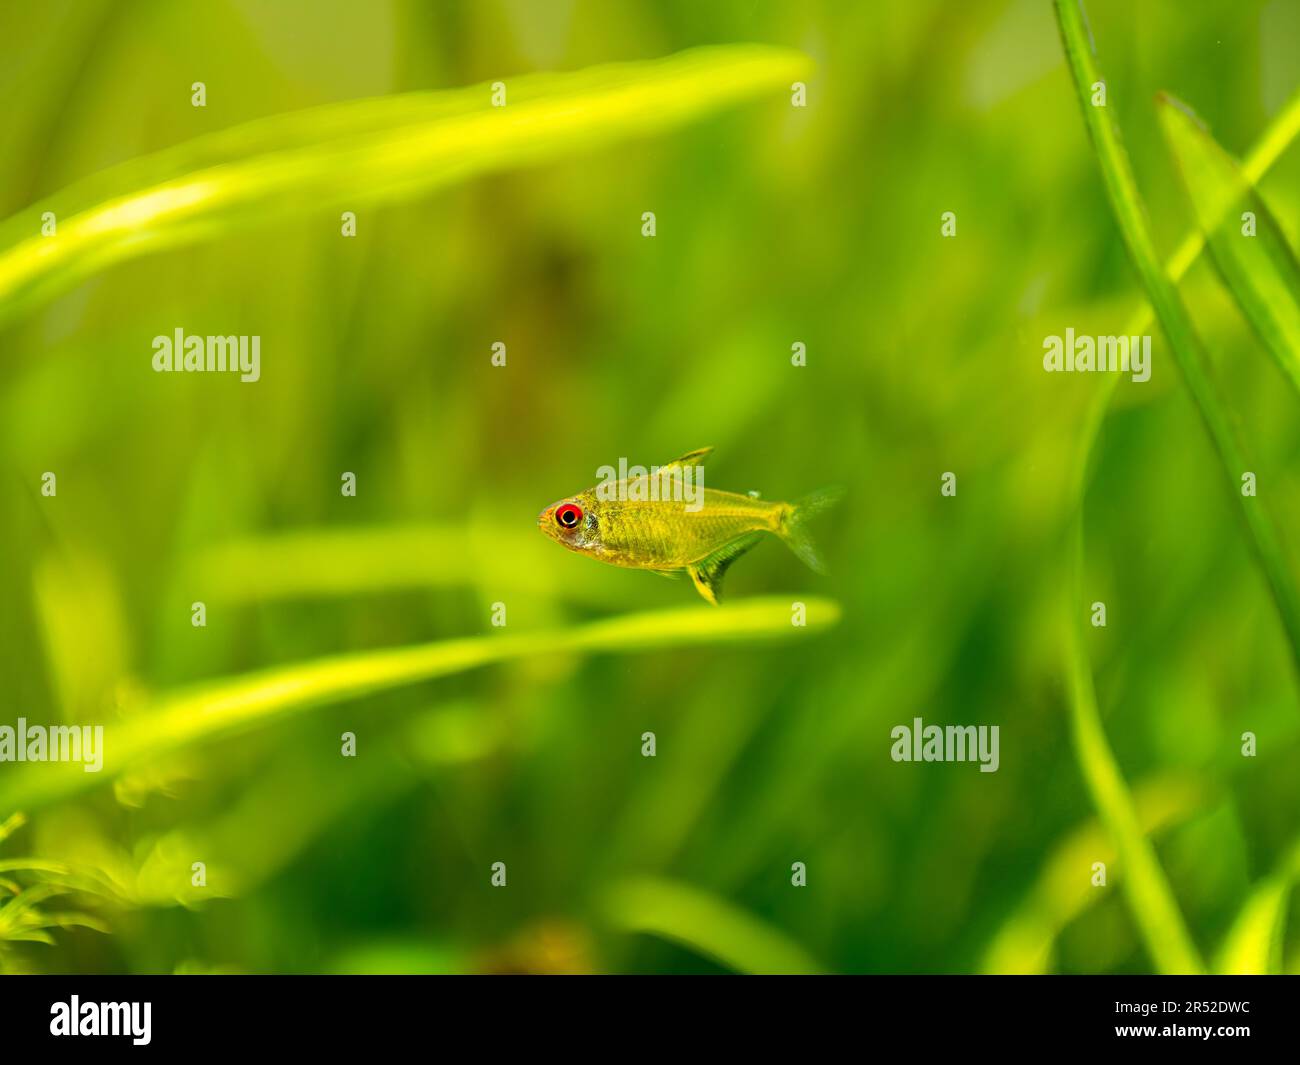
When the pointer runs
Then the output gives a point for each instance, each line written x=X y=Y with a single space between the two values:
x=37 y=865
x=1101 y=773
x=70 y=919
x=365 y=152
x=1063 y=889
x=30 y=937
x=1254 y=943
x=14 y=912
x=1280 y=134
x=219 y=708
x=1260 y=269
x=705 y=924
x=1150 y=898
x=1130 y=214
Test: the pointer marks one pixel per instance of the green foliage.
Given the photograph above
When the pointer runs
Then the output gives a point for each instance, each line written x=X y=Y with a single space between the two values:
x=1026 y=941
x=1246 y=241
x=215 y=709
x=26 y=887
x=1263 y=285
x=361 y=153
x=1184 y=343
x=706 y=925
x=779 y=229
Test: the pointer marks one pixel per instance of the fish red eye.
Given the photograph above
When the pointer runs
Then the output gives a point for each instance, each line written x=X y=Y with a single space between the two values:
x=568 y=515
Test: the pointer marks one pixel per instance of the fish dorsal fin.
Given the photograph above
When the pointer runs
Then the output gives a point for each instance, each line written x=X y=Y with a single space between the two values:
x=691 y=458
x=708 y=572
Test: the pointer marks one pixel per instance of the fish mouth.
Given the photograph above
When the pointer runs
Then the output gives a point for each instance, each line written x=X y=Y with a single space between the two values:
x=541 y=518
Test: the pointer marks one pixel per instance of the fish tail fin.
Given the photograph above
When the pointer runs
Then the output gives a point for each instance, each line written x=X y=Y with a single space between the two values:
x=795 y=516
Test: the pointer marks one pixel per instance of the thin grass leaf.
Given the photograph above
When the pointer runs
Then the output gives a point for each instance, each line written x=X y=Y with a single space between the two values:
x=365 y=152
x=1102 y=774
x=212 y=710
x=1143 y=881
x=10 y=865
x=1146 y=888
x=1063 y=890
x=13 y=913
x=1260 y=269
x=57 y=873
x=705 y=924
x=1130 y=214
x=29 y=936
x=1280 y=134
x=22 y=918
x=1254 y=944
x=67 y=919
x=1277 y=138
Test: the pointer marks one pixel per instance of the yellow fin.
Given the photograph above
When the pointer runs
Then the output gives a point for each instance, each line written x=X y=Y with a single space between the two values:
x=708 y=572
x=691 y=458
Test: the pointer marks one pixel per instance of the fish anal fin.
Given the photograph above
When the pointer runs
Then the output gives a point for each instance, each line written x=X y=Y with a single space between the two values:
x=702 y=584
x=708 y=572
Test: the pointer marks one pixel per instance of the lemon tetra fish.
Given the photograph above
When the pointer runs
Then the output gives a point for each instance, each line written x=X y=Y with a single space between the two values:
x=665 y=520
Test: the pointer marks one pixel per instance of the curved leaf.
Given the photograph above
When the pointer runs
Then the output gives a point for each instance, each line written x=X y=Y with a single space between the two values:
x=1259 y=267
x=1063 y=890
x=364 y=152
x=1253 y=945
x=220 y=708
x=705 y=924
x=1150 y=897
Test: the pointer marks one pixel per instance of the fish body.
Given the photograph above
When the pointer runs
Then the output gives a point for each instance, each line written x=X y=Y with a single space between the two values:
x=700 y=531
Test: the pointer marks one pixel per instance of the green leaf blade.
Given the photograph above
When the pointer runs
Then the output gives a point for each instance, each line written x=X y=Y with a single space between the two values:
x=707 y=925
x=1259 y=269
x=1148 y=892
x=1255 y=942
x=365 y=152
x=1253 y=945
x=191 y=717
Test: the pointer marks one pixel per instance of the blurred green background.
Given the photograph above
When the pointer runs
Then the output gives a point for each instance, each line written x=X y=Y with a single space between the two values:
x=775 y=225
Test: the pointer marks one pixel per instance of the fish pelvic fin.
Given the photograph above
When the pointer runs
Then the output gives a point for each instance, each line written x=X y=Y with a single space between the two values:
x=791 y=526
x=708 y=572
